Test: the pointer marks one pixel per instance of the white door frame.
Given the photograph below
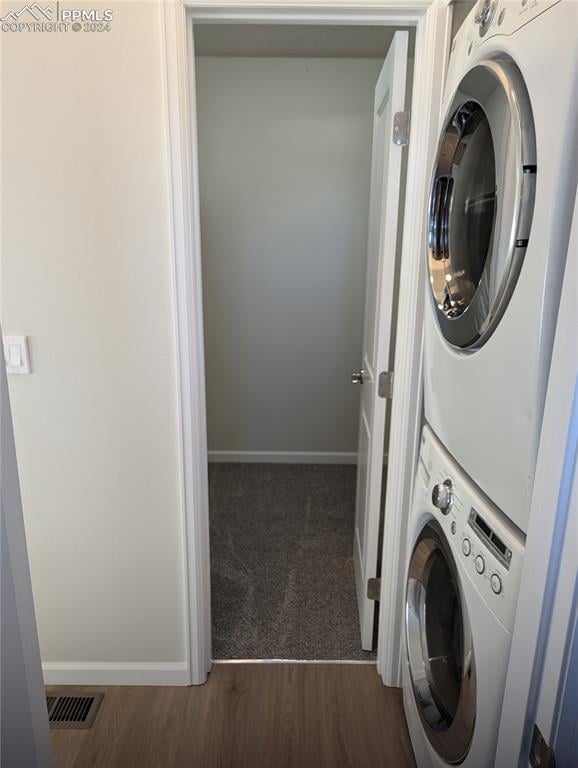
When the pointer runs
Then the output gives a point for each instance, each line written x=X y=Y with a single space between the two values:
x=432 y=19
x=543 y=606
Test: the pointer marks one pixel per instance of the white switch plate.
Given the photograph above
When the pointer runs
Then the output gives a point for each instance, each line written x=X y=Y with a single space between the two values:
x=16 y=354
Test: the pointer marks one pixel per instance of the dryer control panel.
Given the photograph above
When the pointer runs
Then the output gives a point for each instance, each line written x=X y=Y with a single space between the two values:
x=488 y=19
x=493 y=17
x=489 y=546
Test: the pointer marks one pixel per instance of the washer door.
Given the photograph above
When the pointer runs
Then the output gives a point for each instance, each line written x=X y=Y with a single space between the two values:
x=481 y=201
x=439 y=646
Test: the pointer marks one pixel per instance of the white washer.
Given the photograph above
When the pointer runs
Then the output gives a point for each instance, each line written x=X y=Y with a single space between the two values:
x=463 y=579
x=502 y=190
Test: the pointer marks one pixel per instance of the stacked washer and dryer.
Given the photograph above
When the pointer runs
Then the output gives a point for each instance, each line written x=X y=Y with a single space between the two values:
x=501 y=202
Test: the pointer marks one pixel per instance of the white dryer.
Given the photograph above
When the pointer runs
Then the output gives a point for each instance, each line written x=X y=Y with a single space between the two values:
x=463 y=579
x=502 y=189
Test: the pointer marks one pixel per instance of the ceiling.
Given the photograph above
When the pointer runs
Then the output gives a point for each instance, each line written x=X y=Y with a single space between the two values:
x=303 y=41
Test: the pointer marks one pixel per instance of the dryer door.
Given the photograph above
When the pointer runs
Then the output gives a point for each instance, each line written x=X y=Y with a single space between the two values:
x=481 y=201
x=439 y=646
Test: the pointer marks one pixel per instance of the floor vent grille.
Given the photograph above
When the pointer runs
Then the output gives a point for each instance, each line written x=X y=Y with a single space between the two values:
x=74 y=710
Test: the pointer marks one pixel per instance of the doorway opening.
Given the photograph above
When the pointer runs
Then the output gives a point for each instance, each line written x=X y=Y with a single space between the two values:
x=298 y=290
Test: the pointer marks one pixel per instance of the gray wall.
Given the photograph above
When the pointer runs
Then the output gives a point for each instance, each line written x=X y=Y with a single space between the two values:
x=285 y=149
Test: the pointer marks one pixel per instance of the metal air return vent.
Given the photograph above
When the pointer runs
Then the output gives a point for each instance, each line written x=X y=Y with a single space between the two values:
x=73 y=710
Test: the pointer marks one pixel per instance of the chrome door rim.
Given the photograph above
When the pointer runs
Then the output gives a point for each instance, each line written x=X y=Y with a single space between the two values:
x=450 y=734
x=470 y=325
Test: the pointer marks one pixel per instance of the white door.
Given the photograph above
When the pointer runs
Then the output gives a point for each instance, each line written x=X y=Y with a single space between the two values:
x=386 y=160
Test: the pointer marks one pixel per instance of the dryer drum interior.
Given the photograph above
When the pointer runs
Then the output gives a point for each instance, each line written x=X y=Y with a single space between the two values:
x=439 y=645
x=481 y=201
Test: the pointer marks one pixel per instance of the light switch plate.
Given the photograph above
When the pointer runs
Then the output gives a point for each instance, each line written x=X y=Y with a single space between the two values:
x=16 y=354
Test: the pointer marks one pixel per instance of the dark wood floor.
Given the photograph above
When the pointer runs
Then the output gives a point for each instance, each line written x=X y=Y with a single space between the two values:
x=247 y=716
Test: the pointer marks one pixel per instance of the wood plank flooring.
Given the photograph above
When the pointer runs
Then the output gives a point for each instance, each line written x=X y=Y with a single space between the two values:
x=247 y=716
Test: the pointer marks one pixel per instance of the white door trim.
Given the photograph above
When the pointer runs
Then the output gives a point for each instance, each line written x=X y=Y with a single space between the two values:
x=181 y=129
x=188 y=308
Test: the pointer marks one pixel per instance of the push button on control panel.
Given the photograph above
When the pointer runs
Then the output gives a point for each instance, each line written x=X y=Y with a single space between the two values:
x=496 y=583
x=480 y=564
x=466 y=547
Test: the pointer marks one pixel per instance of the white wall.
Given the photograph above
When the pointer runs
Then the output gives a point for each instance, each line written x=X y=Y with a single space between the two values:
x=285 y=149
x=86 y=273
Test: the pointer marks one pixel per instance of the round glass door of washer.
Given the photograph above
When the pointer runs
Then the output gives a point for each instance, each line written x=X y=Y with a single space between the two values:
x=481 y=202
x=439 y=647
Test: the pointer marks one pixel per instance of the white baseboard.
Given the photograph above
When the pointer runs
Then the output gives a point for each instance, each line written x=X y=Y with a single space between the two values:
x=113 y=673
x=282 y=457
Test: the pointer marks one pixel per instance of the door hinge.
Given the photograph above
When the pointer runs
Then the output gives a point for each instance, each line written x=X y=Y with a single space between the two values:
x=541 y=755
x=373 y=589
x=401 y=128
x=385 y=385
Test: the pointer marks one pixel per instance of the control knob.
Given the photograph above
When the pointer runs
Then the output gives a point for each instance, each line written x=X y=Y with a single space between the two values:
x=442 y=496
x=483 y=10
x=484 y=14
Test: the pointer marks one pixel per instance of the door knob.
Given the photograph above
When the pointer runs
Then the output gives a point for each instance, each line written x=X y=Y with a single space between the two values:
x=357 y=376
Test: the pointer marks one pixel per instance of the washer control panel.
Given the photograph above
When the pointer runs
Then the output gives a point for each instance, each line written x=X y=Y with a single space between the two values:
x=489 y=547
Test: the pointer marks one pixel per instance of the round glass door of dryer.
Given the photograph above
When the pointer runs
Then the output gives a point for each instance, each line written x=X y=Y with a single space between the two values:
x=481 y=202
x=439 y=646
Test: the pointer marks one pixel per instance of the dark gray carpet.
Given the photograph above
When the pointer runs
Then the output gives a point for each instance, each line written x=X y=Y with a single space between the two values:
x=281 y=562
